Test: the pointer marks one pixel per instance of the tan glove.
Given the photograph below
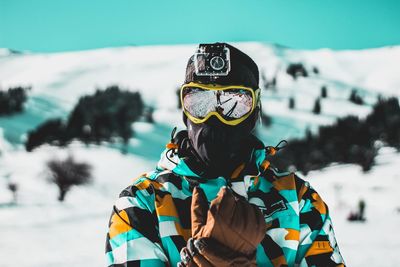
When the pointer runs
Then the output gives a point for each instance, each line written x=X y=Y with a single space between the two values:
x=226 y=234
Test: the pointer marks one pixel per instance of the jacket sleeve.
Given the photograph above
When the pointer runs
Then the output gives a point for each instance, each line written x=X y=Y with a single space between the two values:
x=317 y=244
x=132 y=238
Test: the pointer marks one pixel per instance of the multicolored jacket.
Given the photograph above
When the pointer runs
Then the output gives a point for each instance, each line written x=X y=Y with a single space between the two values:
x=150 y=222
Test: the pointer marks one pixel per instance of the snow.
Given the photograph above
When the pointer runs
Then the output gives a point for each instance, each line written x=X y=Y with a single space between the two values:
x=40 y=231
x=59 y=79
x=372 y=69
x=4 y=145
x=342 y=187
x=4 y=52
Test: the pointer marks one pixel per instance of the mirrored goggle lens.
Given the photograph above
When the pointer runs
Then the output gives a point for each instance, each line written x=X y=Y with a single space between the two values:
x=230 y=103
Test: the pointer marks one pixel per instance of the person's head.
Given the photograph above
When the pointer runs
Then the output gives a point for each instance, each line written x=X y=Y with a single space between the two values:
x=221 y=104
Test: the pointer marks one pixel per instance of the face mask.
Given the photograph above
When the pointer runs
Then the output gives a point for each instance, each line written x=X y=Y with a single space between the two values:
x=221 y=148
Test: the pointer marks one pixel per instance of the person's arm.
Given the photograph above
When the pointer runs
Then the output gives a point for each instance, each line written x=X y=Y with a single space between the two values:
x=317 y=244
x=133 y=239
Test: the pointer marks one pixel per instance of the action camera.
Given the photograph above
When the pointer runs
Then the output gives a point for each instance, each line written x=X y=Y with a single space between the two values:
x=212 y=60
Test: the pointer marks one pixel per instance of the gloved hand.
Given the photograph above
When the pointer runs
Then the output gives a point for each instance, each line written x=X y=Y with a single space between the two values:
x=207 y=252
x=225 y=234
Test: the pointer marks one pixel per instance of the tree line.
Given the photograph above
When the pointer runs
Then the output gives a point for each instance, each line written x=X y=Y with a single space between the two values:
x=349 y=140
x=12 y=101
x=107 y=115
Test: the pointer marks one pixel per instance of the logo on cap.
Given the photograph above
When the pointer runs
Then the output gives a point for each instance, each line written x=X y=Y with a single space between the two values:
x=217 y=63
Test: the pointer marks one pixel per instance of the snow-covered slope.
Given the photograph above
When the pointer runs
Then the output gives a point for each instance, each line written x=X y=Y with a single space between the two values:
x=342 y=187
x=156 y=70
x=39 y=231
x=59 y=79
x=4 y=52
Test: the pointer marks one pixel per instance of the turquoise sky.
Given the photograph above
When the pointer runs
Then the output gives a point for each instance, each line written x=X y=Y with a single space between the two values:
x=60 y=25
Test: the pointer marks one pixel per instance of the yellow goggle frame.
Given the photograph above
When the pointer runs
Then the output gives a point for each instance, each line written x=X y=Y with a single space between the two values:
x=255 y=96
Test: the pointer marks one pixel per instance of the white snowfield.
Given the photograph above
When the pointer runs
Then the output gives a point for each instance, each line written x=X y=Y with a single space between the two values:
x=40 y=231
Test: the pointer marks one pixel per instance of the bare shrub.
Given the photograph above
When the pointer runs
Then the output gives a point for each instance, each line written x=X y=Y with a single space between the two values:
x=67 y=173
x=13 y=187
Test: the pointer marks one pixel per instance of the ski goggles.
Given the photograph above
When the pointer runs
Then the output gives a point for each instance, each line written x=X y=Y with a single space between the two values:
x=230 y=104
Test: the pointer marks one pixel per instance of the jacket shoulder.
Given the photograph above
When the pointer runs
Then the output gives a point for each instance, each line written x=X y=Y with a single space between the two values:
x=148 y=183
x=143 y=184
x=283 y=180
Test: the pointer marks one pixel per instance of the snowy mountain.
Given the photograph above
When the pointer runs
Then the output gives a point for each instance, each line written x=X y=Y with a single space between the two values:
x=73 y=233
x=59 y=79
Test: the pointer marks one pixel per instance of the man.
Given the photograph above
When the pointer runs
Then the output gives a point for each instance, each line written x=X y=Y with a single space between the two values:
x=214 y=199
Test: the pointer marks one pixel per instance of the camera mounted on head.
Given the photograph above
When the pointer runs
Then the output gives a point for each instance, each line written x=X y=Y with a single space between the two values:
x=212 y=60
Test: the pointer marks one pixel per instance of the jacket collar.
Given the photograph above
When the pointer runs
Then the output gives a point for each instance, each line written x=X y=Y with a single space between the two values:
x=172 y=162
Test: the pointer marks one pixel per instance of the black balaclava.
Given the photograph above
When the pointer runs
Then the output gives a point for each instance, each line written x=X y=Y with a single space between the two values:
x=217 y=147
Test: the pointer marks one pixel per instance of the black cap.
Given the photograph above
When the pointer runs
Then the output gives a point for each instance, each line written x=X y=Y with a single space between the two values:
x=243 y=71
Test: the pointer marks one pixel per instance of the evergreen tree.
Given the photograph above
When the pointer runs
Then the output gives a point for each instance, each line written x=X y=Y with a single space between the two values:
x=296 y=70
x=355 y=97
x=317 y=106
x=292 y=103
x=349 y=140
x=12 y=100
x=50 y=132
x=324 y=92
x=104 y=116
